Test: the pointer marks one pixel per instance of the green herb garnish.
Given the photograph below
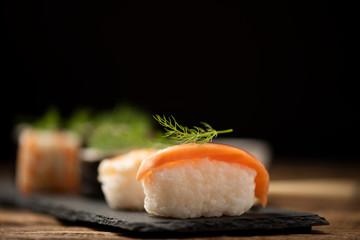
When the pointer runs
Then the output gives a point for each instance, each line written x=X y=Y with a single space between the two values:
x=50 y=121
x=124 y=127
x=183 y=134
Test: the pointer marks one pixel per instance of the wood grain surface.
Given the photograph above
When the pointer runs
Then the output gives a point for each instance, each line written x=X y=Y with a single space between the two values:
x=342 y=213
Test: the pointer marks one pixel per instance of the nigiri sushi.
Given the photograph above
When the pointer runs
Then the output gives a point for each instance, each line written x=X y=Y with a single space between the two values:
x=193 y=180
x=118 y=180
x=47 y=161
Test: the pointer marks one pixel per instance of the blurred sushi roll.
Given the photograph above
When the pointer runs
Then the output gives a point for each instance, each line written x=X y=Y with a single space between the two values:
x=47 y=161
x=108 y=134
x=118 y=179
x=89 y=164
x=202 y=180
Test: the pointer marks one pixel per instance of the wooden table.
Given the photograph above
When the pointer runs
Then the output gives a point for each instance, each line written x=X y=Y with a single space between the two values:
x=343 y=213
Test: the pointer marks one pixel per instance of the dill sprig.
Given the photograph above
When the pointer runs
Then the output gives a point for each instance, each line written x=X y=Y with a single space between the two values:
x=183 y=134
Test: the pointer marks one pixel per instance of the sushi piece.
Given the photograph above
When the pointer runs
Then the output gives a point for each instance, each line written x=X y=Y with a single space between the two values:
x=118 y=180
x=47 y=161
x=89 y=164
x=194 y=180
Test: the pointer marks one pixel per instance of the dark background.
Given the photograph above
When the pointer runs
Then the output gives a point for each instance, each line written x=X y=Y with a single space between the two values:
x=279 y=71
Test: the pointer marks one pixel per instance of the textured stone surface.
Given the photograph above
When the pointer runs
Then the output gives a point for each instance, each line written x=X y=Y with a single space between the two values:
x=80 y=209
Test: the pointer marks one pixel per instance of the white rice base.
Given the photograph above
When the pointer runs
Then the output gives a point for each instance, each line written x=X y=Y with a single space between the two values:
x=205 y=187
x=119 y=185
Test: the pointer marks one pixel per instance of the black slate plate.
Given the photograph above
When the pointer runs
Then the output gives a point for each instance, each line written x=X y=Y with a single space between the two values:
x=76 y=208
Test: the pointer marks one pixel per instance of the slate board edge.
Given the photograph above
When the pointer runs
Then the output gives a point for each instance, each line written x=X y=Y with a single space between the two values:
x=306 y=220
x=64 y=213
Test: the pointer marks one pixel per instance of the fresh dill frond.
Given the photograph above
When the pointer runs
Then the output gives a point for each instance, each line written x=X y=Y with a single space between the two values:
x=182 y=134
x=51 y=120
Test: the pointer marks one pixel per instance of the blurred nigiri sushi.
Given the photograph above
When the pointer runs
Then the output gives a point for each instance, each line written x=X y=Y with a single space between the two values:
x=47 y=161
x=193 y=180
x=118 y=179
